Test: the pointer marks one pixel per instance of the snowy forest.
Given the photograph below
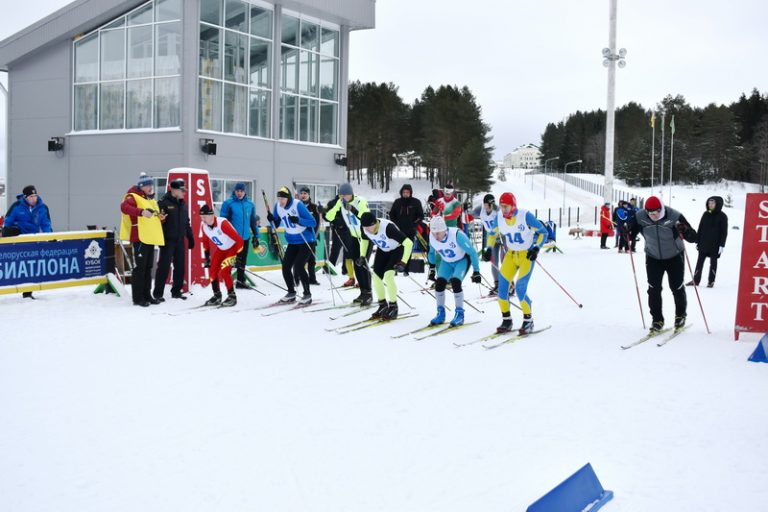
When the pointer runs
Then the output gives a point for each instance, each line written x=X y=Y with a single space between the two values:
x=712 y=143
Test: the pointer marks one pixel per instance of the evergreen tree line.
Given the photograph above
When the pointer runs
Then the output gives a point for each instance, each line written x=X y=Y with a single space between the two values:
x=443 y=131
x=710 y=144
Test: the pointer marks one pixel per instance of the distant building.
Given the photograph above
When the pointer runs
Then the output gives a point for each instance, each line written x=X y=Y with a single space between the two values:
x=526 y=156
x=126 y=86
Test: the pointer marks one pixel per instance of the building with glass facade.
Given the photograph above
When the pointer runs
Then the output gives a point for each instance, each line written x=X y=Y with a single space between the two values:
x=143 y=86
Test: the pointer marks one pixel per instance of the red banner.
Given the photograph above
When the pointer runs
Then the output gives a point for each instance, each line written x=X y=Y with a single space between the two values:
x=198 y=193
x=752 y=300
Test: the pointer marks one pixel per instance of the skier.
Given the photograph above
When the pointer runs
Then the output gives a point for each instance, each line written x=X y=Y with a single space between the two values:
x=710 y=242
x=488 y=216
x=315 y=212
x=449 y=207
x=393 y=249
x=456 y=251
x=523 y=235
x=299 y=234
x=351 y=208
x=221 y=243
x=664 y=230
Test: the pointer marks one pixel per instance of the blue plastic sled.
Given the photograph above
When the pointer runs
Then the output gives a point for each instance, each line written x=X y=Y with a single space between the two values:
x=574 y=494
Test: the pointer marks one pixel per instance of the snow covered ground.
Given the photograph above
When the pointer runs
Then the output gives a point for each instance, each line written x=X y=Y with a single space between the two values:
x=108 y=407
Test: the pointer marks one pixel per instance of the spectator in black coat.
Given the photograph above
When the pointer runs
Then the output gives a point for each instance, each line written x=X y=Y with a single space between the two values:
x=710 y=242
x=176 y=229
x=406 y=212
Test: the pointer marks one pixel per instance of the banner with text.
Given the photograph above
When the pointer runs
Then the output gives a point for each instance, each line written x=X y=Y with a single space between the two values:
x=752 y=299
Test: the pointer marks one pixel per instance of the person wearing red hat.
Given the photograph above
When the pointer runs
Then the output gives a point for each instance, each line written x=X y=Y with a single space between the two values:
x=523 y=235
x=221 y=243
x=665 y=230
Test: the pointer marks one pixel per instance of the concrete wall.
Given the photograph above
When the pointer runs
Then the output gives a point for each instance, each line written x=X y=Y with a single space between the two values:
x=84 y=184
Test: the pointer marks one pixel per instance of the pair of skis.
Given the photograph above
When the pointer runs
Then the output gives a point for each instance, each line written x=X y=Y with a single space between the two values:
x=433 y=330
x=368 y=322
x=504 y=338
x=661 y=343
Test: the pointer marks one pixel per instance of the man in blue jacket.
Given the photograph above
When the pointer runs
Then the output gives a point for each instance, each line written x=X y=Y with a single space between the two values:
x=241 y=213
x=28 y=215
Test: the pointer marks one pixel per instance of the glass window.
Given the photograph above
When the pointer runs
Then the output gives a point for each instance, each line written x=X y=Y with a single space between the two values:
x=140 y=51
x=260 y=62
x=324 y=193
x=209 y=107
x=139 y=104
x=309 y=35
x=211 y=11
x=261 y=22
x=111 y=105
x=235 y=108
x=235 y=50
x=328 y=122
x=85 y=107
x=118 y=23
x=288 y=117
x=329 y=73
x=141 y=15
x=167 y=102
x=308 y=120
x=168 y=49
x=210 y=54
x=113 y=54
x=236 y=15
x=329 y=44
x=289 y=69
x=167 y=10
x=308 y=74
x=87 y=59
x=260 y=105
x=290 y=32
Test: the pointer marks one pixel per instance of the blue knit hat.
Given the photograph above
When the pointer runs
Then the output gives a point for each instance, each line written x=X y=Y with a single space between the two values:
x=240 y=186
x=144 y=180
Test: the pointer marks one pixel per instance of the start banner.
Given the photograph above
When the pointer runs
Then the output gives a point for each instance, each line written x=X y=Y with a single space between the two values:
x=79 y=257
x=752 y=299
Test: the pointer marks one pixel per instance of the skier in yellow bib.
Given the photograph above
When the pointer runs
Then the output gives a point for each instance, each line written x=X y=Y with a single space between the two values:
x=523 y=235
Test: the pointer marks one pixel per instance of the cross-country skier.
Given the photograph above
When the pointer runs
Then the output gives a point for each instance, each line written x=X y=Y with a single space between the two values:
x=457 y=252
x=489 y=217
x=221 y=243
x=664 y=230
x=449 y=206
x=393 y=249
x=523 y=235
x=298 y=224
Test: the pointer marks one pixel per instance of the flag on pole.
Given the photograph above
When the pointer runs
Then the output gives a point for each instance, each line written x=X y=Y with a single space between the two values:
x=672 y=124
x=653 y=119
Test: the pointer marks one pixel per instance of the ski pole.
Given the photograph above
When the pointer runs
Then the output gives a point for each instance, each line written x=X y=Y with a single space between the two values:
x=637 y=287
x=561 y=286
x=696 y=289
x=426 y=290
x=265 y=279
x=511 y=284
x=275 y=236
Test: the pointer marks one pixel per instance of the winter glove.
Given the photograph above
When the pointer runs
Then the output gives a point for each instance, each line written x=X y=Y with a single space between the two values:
x=533 y=253
x=207 y=261
x=255 y=242
x=270 y=217
x=360 y=261
x=147 y=213
x=432 y=276
x=476 y=277
x=487 y=252
x=294 y=219
x=681 y=228
x=190 y=242
x=401 y=267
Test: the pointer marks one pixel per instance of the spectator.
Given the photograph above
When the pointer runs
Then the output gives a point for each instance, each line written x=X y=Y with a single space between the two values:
x=621 y=217
x=713 y=230
x=606 y=224
x=142 y=225
x=241 y=213
x=176 y=229
x=28 y=215
x=407 y=212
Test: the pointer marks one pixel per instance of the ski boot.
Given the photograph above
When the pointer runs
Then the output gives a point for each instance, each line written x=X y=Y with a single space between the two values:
x=494 y=292
x=679 y=322
x=215 y=300
x=440 y=318
x=390 y=313
x=305 y=299
x=349 y=283
x=230 y=301
x=242 y=285
x=289 y=297
x=383 y=305
x=458 y=318
x=506 y=324
x=364 y=299
x=710 y=285
x=527 y=325
x=656 y=327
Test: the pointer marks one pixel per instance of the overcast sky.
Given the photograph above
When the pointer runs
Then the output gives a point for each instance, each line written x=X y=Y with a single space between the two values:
x=530 y=62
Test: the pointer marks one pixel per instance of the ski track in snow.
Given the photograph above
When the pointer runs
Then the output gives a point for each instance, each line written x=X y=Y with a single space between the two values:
x=104 y=406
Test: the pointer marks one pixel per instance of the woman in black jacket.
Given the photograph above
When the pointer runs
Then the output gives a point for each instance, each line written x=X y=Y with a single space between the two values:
x=712 y=232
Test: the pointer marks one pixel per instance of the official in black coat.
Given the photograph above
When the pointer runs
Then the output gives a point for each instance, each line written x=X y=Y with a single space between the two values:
x=710 y=242
x=175 y=229
x=406 y=212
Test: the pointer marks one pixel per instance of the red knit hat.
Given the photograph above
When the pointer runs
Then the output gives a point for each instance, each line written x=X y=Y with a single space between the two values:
x=653 y=203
